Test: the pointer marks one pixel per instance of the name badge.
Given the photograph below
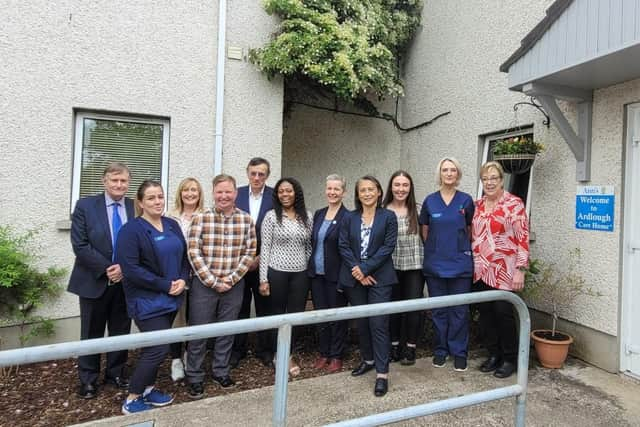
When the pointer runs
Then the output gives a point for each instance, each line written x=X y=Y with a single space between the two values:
x=436 y=215
x=158 y=238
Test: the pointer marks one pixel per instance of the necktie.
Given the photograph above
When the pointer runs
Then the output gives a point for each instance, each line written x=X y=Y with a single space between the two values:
x=116 y=223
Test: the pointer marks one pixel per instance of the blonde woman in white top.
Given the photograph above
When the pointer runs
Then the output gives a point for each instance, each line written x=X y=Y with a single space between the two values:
x=189 y=202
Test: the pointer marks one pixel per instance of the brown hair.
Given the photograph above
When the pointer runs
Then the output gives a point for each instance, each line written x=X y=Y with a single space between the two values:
x=179 y=205
x=412 y=207
x=116 y=167
x=147 y=183
x=222 y=178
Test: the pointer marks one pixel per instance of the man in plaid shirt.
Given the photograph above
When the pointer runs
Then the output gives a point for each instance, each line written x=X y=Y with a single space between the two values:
x=222 y=246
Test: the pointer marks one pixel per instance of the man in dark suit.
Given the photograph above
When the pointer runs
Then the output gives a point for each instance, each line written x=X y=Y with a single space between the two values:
x=96 y=279
x=256 y=199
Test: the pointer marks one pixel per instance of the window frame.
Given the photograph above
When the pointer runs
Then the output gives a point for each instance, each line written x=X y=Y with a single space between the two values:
x=486 y=143
x=79 y=118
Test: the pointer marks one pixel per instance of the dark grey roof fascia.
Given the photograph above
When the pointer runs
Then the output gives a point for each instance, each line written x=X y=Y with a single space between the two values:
x=552 y=14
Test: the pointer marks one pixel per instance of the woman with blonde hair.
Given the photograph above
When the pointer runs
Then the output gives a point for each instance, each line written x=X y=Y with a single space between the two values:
x=189 y=201
x=448 y=265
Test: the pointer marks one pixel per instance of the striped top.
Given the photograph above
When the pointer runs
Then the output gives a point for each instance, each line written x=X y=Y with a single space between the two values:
x=409 y=250
x=285 y=246
x=221 y=246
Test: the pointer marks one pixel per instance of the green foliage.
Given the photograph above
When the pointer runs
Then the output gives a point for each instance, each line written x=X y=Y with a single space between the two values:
x=556 y=286
x=23 y=288
x=522 y=144
x=349 y=47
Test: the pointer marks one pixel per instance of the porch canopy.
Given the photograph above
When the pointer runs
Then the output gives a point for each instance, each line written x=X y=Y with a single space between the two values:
x=579 y=46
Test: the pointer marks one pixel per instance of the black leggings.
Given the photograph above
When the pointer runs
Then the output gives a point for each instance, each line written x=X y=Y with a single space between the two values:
x=498 y=326
x=410 y=286
x=288 y=294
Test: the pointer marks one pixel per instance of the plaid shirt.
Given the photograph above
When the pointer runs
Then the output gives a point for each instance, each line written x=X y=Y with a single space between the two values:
x=409 y=248
x=220 y=246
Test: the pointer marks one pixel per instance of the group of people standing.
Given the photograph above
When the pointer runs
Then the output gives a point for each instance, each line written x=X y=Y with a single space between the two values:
x=262 y=244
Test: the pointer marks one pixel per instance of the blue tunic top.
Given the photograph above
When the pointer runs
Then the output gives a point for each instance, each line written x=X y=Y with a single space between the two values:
x=447 y=250
x=169 y=250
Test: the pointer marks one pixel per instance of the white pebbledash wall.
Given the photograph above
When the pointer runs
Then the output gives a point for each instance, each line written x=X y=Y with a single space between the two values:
x=122 y=57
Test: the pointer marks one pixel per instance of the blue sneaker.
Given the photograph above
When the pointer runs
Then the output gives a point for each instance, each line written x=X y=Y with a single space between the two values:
x=135 y=406
x=157 y=398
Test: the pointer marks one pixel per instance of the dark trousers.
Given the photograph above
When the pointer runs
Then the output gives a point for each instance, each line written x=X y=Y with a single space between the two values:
x=263 y=344
x=332 y=335
x=209 y=306
x=450 y=324
x=373 y=332
x=150 y=358
x=410 y=286
x=176 y=347
x=498 y=326
x=289 y=292
x=110 y=311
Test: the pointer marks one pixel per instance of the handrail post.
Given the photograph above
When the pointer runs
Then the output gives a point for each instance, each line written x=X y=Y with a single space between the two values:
x=282 y=376
x=523 y=360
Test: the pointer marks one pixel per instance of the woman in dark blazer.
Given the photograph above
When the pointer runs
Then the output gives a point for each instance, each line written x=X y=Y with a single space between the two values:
x=324 y=266
x=151 y=251
x=367 y=240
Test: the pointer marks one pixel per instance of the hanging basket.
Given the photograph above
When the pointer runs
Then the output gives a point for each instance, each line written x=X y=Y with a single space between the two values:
x=515 y=163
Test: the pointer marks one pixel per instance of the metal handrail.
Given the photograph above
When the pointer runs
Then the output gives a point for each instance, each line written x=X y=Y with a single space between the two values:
x=284 y=324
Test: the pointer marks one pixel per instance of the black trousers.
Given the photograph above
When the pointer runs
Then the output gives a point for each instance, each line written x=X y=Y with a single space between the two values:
x=373 y=332
x=410 y=286
x=498 y=326
x=150 y=358
x=110 y=312
x=263 y=345
x=289 y=292
x=332 y=335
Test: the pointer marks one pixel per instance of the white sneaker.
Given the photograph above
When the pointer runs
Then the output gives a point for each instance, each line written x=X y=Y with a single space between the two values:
x=177 y=370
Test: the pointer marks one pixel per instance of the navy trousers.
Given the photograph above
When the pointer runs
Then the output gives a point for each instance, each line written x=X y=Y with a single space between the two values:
x=332 y=335
x=450 y=324
x=373 y=332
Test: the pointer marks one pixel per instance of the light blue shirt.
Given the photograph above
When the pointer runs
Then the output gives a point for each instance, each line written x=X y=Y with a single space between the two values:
x=122 y=210
x=318 y=254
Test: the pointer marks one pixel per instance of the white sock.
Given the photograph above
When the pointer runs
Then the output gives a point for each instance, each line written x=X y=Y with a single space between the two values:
x=147 y=391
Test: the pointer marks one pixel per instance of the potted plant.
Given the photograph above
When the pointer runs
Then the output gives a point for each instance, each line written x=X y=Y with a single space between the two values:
x=556 y=287
x=517 y=153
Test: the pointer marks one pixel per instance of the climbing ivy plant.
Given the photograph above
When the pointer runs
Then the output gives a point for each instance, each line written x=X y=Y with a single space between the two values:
x=348 y=47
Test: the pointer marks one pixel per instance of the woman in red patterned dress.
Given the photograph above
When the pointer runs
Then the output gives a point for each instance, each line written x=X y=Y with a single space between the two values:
x=500 y=245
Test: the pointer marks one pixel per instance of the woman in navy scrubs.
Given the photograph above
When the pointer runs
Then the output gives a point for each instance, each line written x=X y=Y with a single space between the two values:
x=324 y=266
x=448 y=264
x=367 y=240
x=151 y=251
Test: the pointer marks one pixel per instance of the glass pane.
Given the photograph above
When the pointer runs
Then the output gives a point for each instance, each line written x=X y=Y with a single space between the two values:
x=138 y=145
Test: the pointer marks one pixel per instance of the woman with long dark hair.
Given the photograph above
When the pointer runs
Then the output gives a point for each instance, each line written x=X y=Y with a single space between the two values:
x=367 y=240
x=152 y=253
x=407 y=260
x=284 y=253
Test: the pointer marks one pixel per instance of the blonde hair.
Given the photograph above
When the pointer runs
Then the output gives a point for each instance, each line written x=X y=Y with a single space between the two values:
x=492 y=165
x=336 y=177
x=178 y=207
x=455 y=162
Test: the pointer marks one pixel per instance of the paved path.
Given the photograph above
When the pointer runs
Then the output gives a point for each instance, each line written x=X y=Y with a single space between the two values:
x=578 y=395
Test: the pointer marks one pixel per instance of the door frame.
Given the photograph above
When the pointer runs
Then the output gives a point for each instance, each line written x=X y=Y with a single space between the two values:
x=626 y=309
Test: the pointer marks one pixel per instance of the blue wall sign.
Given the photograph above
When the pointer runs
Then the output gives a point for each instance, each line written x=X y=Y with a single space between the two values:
x=594 y=207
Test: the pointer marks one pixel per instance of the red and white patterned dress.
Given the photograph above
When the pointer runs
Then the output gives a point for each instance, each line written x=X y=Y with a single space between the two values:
x=500 y=241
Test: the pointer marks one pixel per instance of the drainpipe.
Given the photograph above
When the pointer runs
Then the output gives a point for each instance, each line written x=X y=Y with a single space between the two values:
x=217 y=152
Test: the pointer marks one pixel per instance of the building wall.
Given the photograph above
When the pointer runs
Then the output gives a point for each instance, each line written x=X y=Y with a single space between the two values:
x=121 y=57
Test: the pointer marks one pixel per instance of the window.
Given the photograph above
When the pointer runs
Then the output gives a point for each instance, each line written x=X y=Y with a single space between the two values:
x=141 y=143
x=518 y=184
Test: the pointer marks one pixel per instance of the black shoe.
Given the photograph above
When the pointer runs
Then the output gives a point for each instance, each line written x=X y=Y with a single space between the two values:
x=490 y=365
x=505 y=370
x=196 y=390
x=395 y=355
x=409 y=356
x=87 y=391
x=439 y=361
x=267 y=359
x=381 y=387
x=118 y=382
x=460 y=363
x=224 y=381
x=362 y=369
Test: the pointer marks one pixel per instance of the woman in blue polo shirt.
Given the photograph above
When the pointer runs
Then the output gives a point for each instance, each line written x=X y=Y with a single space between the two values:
x=448 y=265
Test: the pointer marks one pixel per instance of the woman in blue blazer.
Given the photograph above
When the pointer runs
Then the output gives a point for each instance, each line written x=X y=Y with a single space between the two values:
x=367 y=240
x=323 y=269
x=151 y=251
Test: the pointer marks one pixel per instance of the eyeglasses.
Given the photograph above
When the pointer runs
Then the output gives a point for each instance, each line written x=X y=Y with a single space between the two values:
x=258 y=174
x=494 y=178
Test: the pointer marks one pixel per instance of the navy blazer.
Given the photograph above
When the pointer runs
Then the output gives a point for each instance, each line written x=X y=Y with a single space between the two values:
x=330 y=249
x=145 y=287
x=382 y=243
x=242 y=202
x=92 y=245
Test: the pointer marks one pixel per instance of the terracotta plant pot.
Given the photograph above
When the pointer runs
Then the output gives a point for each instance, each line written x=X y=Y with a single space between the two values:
x=552 y=352
x=515 y=163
